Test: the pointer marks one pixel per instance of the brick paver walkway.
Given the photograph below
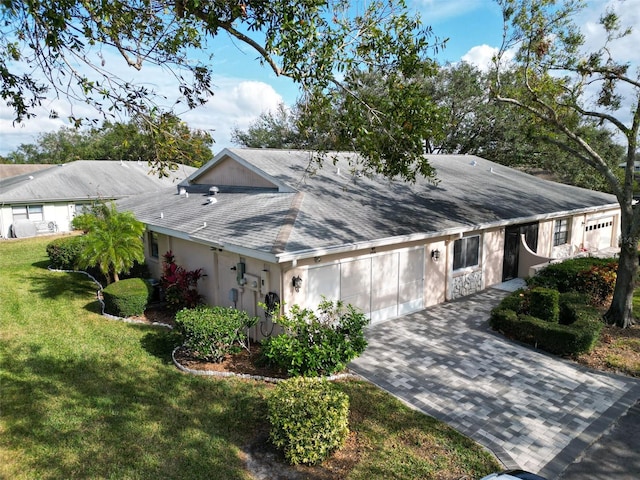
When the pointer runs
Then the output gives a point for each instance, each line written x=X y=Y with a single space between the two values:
x=532 y=410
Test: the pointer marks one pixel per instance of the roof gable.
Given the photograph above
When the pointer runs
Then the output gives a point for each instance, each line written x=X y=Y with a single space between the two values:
x=228 y=169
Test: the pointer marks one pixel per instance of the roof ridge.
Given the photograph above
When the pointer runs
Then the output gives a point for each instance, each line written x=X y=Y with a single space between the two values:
x=287 y=226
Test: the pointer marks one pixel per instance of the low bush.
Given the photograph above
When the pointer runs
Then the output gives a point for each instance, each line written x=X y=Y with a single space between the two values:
x=308 y=418
x=127 y=298
x=210 y=333
x=64 y=252
x=598 y=282
x=313 y=344
x=562 y=276
x=543 y=304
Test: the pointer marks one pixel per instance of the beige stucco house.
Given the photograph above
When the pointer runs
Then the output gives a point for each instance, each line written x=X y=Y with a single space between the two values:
x=259 y=221
x=44 y=200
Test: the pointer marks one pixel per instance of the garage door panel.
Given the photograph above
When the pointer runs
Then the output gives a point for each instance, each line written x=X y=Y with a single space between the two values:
x=322 y=281
x=382 y=286
x=355 y=277
x=384 y=276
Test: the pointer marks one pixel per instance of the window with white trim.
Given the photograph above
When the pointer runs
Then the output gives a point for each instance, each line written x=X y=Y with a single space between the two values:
x=28 y=212
x=466 y=252
x=560 y=232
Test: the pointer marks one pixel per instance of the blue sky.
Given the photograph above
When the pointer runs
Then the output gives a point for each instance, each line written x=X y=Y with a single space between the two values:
x=244 y=88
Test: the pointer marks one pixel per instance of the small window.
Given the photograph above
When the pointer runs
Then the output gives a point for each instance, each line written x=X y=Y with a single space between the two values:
x=466 y=252
x=561 y=232
x=28 y=212
x=153 y=244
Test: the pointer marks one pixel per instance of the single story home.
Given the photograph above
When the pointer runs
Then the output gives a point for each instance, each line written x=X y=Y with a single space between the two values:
x=45 y=200
x=260 y=221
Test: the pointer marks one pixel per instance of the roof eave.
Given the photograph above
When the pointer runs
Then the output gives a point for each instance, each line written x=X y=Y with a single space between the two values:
x=451 y=232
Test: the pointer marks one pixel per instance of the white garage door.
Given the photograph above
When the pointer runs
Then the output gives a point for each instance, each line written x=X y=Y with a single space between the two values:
x=598 y=232
x=383 y=286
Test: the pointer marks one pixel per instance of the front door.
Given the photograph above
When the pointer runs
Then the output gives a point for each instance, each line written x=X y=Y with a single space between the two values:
x=512 y=247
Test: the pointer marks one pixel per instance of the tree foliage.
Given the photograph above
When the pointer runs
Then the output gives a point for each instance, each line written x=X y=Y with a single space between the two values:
x=113 y=240
x=322 y=45
x=568 y=86
x=169 y=142
x=468 y=122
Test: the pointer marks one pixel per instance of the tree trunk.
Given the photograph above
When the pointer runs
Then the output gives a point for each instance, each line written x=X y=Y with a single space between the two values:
x=621 y=311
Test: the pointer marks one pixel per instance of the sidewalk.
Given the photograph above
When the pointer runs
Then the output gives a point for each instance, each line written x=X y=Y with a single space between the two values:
x=532 y=410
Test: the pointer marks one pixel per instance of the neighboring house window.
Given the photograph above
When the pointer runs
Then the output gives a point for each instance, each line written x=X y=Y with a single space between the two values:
x=153 y=244
x=82 y=208
x=561 y=232
x=466 y=252
x=28 y=212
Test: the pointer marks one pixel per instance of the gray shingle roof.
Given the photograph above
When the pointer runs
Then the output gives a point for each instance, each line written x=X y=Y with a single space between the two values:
x=86 y=179
x=337 y=207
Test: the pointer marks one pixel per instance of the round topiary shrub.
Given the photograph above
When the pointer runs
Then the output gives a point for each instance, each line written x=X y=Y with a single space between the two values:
x=127 y=298
x=309 y=419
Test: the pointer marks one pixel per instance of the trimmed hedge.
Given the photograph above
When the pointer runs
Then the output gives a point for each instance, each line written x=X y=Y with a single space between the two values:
x=563 y=276
x=127 y=298
x=577 y=332
x=210 y=333
x=309 y=419
x=543 y=304
x=64 y=252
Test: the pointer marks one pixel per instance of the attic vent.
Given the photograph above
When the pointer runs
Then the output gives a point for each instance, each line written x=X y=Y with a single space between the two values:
x=213 y=190
x=183 y=191
x=473 y=163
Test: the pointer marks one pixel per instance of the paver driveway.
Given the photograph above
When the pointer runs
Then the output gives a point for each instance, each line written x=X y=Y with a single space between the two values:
x=532 y=410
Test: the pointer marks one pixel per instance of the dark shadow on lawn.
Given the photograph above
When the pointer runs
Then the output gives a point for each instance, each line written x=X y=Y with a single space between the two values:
x=161 y=342
x=48 y=285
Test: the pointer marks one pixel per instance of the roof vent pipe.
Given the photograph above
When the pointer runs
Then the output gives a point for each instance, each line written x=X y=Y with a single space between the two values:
x=213 y=190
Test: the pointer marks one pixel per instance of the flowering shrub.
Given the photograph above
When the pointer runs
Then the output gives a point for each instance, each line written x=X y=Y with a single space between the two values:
x=317 y=344
x=180 y=285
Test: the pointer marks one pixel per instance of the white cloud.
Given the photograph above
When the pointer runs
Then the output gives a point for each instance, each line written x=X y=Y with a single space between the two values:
x=236 y=102
x=481 y=56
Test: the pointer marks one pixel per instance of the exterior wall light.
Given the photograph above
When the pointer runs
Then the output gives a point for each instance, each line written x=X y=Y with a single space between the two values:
x=297 y=283
x=435 y=255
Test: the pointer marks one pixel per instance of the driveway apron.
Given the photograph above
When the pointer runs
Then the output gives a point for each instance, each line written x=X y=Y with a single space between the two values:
x=532 y=410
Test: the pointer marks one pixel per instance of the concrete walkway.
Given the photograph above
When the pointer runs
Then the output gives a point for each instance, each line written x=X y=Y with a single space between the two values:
x=532 y=410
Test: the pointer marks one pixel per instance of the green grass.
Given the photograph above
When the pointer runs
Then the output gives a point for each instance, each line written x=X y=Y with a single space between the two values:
x=87 y=397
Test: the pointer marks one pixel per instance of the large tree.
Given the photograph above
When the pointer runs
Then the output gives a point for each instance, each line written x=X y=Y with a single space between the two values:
x=316 y=43
x=567 y=84
x=168 y=141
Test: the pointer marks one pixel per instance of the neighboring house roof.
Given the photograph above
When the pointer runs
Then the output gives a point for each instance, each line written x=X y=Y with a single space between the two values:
x=302 y=207
x=13 y=170
x=86 y=180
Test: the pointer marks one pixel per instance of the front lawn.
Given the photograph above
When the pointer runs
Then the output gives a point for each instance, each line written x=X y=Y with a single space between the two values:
x=87 y=397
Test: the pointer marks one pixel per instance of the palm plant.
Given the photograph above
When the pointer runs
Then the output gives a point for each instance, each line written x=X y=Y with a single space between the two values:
x=113 y=240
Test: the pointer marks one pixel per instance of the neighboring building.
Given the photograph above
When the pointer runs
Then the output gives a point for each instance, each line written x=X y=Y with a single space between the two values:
x=46 y=200
x=259 y=221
